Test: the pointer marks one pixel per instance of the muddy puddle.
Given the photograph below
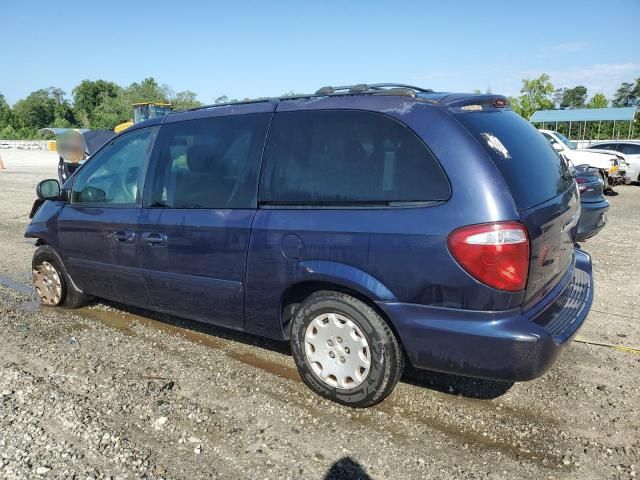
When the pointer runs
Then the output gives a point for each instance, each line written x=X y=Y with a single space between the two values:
x=268 y=366
x=30 y=306
x=125 y=322
x=20 y=287
x=531 y=449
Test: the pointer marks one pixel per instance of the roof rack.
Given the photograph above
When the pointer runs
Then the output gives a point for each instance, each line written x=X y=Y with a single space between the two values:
x=396 y=88
x=360 y=88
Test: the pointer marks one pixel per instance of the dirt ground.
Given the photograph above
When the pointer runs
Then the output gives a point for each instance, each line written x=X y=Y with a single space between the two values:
x=112 y=392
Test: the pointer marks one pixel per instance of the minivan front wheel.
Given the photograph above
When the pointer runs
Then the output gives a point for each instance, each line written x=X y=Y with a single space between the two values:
x=52 y=282
x=344 y=350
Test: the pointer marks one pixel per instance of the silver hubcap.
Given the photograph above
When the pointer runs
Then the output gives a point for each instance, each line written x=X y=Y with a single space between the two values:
x=46 y=281
x=337 y=350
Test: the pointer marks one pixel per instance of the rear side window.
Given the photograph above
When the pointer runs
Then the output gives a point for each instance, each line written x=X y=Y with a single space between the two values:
x=629 y=148
x=347 y=158
x=604 y=146
x=533 y=171
x=207 y=163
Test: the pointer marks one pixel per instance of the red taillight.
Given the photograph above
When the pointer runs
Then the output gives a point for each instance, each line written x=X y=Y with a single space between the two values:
x=497 y=254
x=581 y=187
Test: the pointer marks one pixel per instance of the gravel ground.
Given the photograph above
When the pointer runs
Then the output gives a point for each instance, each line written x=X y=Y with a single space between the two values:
x=113 y=392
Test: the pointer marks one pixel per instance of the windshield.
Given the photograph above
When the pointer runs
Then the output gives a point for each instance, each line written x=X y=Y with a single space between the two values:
x=566 y=141
x=147 y=111
x=158 y=110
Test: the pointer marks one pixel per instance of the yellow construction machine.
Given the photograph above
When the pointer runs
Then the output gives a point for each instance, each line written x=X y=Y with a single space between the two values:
x=145 y=111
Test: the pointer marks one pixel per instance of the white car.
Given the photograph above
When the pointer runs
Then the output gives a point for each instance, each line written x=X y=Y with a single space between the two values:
x=607 y=163
x=629 y=148
x=623 y=176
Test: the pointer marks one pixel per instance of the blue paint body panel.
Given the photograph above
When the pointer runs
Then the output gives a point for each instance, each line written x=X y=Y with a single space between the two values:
x=233 y=267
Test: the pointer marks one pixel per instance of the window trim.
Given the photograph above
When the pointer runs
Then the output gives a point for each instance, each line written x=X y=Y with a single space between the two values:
x=141 y=176
x=343 y=205
x=355 y=205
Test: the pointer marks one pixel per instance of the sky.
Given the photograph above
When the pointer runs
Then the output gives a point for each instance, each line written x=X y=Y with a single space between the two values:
x=265 y=48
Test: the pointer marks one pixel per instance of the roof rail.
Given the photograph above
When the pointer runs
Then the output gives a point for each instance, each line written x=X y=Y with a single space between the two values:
x=360 y=88
x=397 y=88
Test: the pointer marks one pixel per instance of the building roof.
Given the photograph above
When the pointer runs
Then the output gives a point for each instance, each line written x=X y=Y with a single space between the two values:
x=585 y=115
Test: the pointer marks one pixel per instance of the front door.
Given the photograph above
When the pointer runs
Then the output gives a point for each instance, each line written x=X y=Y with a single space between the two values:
x=98 y=229
x=198 y=209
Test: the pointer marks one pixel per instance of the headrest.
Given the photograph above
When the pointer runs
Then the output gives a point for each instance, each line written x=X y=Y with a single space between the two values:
x=200 y=158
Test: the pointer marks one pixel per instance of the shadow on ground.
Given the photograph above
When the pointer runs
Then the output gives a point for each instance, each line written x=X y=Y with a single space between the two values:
x=346 y=469
x=456 y=384
x=441 y=382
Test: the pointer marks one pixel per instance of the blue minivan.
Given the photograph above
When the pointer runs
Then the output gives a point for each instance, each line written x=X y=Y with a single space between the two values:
x=370 y=226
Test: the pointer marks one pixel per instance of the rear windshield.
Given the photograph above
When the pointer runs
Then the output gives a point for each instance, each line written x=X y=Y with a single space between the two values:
x=533 y=171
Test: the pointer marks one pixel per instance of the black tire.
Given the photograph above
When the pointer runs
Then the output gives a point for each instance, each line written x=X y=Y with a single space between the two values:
x=387 y=358
x=71 y=296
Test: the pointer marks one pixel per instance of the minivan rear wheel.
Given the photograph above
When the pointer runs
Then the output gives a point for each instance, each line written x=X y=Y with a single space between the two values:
x=52 y=282
x=344 y=350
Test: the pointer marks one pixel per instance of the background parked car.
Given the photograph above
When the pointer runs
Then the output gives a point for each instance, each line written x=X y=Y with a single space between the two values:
x=607 y=164
x=623 y=177
x=593 y=215
x=631 y=151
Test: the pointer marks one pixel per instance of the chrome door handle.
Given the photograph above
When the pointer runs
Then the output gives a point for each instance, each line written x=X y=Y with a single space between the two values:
x=123 y=236
x=155 y=238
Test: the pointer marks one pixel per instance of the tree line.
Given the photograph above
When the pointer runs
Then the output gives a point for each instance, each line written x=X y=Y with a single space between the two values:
x=101 y=104
x=540 y=94
x=95 y=104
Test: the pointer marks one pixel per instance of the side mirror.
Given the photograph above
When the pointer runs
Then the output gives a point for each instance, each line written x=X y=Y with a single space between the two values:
x=48 y=189
x=92 y=195
x=557 y=147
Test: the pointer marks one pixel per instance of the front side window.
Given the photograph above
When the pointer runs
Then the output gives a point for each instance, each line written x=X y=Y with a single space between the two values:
x=345 y=157
x=112 y=175
x=209 y=163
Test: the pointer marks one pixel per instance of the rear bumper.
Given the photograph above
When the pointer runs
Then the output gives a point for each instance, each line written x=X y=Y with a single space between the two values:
x=592 y=219
x=508 y=345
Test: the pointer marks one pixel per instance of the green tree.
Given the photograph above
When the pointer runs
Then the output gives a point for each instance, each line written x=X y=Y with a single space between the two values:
x=111 y=111
x=557 y=96
x=598 y=101
x=574 y=97
x=626 y=95
x=43 y=108
x=636 y=91
x=35 y=111
x=88 y=95
x=185 y=100
x=222 y=99
x=8 y=133
x=6 y=115
x=147 y=91
x=514 y=103
x=535 y=95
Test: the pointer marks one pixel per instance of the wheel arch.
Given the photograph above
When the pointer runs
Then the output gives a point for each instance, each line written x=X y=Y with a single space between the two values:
x=295 y=294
